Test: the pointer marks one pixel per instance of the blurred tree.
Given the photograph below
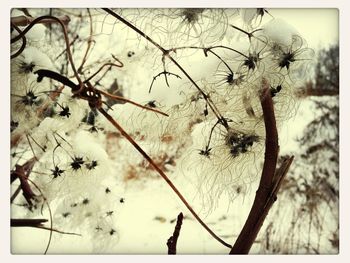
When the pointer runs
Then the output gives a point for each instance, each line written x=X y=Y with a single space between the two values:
x=326 y=82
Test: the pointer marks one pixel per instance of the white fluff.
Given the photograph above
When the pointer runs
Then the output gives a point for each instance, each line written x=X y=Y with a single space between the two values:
x=279 y=31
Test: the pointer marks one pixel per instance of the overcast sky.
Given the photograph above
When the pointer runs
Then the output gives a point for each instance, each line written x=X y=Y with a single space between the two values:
x=318 y=26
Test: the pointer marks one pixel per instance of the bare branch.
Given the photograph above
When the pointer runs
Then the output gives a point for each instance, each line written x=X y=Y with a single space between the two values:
x=165 y=73
x=172 y=241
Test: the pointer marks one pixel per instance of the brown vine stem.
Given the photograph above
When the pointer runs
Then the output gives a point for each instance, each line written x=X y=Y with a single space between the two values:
x=162 y=174
x=269 y=182
x=26 y=20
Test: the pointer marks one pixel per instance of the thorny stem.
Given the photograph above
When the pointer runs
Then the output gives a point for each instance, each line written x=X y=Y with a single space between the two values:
x=56 y=76
x=22 y=173
x=166 y=54
x=269 y=182
x=162 y=174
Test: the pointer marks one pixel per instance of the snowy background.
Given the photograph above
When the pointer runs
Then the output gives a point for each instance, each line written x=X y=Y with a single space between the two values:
x=146 y=217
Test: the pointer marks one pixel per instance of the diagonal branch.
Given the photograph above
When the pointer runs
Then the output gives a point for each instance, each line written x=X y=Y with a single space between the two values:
x=161 y=173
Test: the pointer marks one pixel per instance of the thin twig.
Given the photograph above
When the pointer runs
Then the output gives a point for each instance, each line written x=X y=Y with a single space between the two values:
x=166 y=79
x=206 y=49
x=104 y=65
x=15 y=194
x=172 y=241
x=88 y=44
x=249 y=34
x=71 y=43
x=115 y=97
